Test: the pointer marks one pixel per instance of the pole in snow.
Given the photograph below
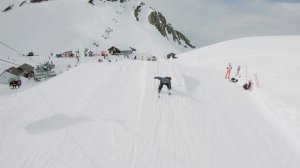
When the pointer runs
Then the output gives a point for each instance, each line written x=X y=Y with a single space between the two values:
x=246 y=73
x=256 y=80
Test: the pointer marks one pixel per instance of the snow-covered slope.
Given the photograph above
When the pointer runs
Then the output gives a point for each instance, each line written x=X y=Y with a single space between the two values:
x=274 y=60
x=108 y=114
x=75 y=25
x=57 y=26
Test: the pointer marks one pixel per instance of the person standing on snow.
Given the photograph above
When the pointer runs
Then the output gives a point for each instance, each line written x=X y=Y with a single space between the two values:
x=164 y=81
x=228 y=71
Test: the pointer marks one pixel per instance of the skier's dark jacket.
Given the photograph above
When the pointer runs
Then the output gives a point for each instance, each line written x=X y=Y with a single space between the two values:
x=164 y=80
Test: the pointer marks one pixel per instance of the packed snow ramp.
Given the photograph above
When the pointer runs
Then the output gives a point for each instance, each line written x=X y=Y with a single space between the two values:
x=109 y=115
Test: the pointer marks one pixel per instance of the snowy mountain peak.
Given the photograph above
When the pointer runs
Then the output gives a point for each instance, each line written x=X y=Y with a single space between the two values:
x=108 y=23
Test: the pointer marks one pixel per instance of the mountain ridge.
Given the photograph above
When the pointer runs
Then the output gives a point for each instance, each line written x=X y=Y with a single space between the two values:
x=119 y=11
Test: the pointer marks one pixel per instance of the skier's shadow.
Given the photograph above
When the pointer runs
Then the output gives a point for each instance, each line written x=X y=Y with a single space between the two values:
x=54 y=123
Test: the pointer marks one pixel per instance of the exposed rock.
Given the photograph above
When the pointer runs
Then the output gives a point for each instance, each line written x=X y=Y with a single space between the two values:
x=34 y=1
x=23 y=3
x=8 y=8
x=138 y=10
x=159 y=21
x=91 y=2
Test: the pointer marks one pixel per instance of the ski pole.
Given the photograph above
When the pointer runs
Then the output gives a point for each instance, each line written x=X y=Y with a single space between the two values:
x=256 y=80
x=246 y=73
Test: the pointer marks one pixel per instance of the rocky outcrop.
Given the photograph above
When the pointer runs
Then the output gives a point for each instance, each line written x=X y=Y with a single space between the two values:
x=159 y=21
x=35 y=1
x=91 y=2
x=117 y=0
x=8 y=8
x=138 y=10
x=22 y=3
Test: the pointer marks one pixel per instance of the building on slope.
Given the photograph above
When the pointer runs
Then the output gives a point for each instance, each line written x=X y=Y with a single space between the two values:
x=10 y=74
x=114 y=50
x=28 y=70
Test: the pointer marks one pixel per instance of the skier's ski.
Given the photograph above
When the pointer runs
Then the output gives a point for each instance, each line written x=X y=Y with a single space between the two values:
x=159 y=94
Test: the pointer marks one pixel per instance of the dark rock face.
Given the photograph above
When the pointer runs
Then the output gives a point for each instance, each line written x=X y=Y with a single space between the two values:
x=21 y=4
x=8 y=8
x=35 y=1
x=138 y=10
x=117 y=0
x=91 y=2
x=160 y=22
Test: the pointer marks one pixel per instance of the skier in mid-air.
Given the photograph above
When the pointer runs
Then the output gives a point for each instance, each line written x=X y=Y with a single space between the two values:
x=164 y=81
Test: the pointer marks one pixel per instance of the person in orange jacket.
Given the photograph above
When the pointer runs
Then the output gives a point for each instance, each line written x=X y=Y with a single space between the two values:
x=228 y=71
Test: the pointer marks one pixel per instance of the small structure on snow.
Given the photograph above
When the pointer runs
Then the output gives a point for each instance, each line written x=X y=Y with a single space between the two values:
x=30 y=54
x=10 y=74
x=90 y=53
x=126 y=52
x=114 y=50
x=104 y=53
x=15 y=84
x=67 y=54
x=144 y=56
x=133 y=49
x=28 y=70
x=44 y=71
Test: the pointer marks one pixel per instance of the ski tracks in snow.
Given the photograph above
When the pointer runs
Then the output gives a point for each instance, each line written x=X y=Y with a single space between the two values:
x=235 y=134
x=164 y=136
x=199 y=125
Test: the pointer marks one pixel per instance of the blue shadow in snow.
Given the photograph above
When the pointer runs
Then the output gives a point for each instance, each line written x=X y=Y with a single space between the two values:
x=191 y=84
x=54 y=123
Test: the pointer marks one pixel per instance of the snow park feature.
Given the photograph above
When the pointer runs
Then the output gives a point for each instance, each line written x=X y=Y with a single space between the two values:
x=95 y=114
x=116 y=120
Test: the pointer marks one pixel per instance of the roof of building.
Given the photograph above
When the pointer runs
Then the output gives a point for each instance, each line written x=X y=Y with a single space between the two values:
x=14 y=70
x=114 y=49
x=26 y=67
x=67 y=51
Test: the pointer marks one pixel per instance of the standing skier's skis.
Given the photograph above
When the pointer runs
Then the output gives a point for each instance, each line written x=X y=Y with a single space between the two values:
x=159 y=94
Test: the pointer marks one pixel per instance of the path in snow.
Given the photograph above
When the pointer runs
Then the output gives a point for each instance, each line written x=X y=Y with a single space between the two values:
x=108 y=115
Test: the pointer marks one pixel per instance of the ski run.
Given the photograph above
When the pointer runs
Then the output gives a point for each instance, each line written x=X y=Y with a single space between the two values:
x=105 y=113
x=108 y=114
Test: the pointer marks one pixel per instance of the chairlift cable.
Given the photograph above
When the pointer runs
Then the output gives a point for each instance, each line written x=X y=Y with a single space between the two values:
x=11 y=48
x=17 y=51
x=9 y=62
x=35 y=61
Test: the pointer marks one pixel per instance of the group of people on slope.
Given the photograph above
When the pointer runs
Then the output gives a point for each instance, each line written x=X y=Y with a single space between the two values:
x=246 y=86
x=228 y=71
x=167 y=80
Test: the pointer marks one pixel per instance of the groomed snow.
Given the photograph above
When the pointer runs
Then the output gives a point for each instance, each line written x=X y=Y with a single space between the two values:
x=108 y=114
